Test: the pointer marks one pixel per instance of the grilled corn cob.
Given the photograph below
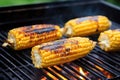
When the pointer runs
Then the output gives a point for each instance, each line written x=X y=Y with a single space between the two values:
x=60 y=51
x=29 y=36
x=110 y=40
x=86 y=26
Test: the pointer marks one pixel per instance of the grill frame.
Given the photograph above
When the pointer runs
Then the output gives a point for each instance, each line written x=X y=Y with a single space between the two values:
x=17 y=63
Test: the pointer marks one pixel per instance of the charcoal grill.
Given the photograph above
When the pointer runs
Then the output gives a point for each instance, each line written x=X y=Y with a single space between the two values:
x=17 y=65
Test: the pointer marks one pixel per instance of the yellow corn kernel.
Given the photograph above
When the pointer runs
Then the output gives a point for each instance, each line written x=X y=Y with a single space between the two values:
x=110 y=40
x=29 y=36
x=60 y=51
x=86 y=26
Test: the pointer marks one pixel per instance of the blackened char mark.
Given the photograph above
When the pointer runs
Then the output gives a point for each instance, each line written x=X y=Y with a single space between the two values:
x=54 y=45
x=40 y=31
x=50 y=47
x=82 y=19
x=95 y=18
x=60 y=42
x=28 y=28
x=117 y=30
x=67 y=49
x=24 y=28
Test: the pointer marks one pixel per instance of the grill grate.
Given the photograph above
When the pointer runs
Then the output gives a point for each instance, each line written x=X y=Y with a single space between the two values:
x=17 y=65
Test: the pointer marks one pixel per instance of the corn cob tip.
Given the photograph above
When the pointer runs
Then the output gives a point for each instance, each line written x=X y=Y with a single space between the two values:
x=68 y=31
x=94 y=43
x=103 y=41
x=7 y=43
x=62 y=30
x=110 y=40
x=37 y=59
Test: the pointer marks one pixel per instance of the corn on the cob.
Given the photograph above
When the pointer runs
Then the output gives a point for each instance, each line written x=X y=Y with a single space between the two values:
x=86 y=26
x=60 y=51
x=110 y=40
x=29 y=36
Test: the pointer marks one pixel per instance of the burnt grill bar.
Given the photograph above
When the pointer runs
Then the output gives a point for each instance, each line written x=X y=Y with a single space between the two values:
x=76 y=72
x=98 y=65
x=70 y=72
x=61 y=73
x=16 y=67
x=3 y=74
x=55 y=75
x=111 y=66
x=45 y=75
x=105 y=67
x=13 y=72
x=114 y=59
x=92 y=65
x=89 y=69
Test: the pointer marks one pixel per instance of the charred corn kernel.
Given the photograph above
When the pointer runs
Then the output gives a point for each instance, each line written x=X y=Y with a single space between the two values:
x=110 y=40
x=29 y=36
x=60 y=51
x=86 y=26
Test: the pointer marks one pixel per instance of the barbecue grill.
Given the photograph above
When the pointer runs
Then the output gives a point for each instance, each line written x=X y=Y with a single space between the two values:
x=98 y=65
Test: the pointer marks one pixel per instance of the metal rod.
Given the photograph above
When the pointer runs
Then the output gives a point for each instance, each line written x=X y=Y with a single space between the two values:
x=15 y=65
x=11 y=71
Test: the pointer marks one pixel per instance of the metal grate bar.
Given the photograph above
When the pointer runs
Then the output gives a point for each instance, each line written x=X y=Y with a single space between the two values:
x=106 y=57
x=53 y=73
x=91 y=67
x=28 y=64
x=116 y=78
x=6 y=75
x=102 y=65
x=27 y=56
x=61 y=73
x=115 y=54
x=21 y=57
x=68 y=71
x=11 y=70
x=96 y=67
x=72 y=68
x=100 y=59
x=14 y=65
x=21 y=64
x=43 y=72
x=3 y=35
x=104 y=53
x=91 y=64
x=1 y=41
x=115 y=57
x=88 y=68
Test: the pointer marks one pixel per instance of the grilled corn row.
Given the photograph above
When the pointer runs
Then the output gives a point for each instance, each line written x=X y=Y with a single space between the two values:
x=29 y=36
x=86 y=26
x=110 y=40
x=60 y=51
